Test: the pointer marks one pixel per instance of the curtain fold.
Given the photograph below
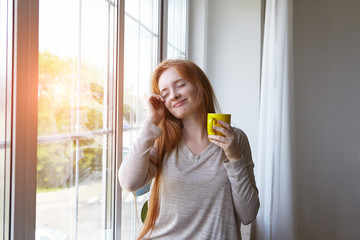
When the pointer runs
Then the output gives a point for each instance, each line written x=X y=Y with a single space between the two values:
x=274 y=167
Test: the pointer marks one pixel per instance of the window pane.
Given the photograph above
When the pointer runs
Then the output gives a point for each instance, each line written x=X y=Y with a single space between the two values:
x=141 y=57
x=76 y=164
x=177 y=20
x=5 y=113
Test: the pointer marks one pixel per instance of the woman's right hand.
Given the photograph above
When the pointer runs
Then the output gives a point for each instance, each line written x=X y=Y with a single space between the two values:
x=155 y=108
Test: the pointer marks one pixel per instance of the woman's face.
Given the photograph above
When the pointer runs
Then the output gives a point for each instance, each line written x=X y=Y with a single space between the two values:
x=179 y=94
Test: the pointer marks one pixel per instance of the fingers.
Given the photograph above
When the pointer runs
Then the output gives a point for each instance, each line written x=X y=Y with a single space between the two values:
x=228 y=143
x=216 y=141
x=226 y=130
x=155 y=101
x=217 y=138
x=225 y=125
x=155 y=108
x=156 y=97
x=220 y=141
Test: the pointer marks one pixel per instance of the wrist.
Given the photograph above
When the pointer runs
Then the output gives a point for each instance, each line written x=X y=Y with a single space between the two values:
x=152 y=119
x=234 y=158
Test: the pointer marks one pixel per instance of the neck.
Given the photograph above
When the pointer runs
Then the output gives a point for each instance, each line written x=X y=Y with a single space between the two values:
x=195 y=135
x=193 y=130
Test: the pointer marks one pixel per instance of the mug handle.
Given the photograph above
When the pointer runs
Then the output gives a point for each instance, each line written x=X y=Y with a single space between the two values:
x=211 y=122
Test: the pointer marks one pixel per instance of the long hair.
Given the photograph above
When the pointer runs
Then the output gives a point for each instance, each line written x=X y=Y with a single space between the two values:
x=172 y=127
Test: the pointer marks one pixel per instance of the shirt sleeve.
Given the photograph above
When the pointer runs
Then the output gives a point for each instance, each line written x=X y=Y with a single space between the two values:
x=138 y=168
x=241 y=176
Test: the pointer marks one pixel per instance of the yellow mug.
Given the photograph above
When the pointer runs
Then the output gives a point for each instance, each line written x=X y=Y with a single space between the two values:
x=212 y=120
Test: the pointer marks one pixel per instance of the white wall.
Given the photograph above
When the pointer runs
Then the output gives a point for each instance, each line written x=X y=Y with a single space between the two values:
x=225 y=42
x=229 y=53
x=197 y=31
x=327 y=95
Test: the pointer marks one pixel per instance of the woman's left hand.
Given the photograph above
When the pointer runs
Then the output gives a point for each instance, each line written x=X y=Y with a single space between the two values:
x=228 y=142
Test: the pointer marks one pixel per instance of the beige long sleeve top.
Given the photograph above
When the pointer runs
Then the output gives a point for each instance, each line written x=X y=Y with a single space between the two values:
x=201 y=197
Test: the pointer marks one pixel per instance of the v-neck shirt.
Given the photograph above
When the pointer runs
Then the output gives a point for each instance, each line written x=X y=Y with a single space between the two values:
x=202 y=196
x=208 y=150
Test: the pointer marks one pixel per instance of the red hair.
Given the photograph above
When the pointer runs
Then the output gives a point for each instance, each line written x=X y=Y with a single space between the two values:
x=172 y=127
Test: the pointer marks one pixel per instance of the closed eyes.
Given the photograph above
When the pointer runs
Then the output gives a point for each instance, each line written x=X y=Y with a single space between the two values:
x=178 y=85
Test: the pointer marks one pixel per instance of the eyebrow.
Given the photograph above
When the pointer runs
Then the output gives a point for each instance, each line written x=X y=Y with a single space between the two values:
x=176 y=81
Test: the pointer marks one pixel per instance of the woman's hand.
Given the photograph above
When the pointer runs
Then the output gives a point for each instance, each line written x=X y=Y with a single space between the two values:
x=155 y=108
x=228 y=142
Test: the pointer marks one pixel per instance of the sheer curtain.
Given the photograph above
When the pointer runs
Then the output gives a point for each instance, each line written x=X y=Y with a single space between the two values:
x=276 y=219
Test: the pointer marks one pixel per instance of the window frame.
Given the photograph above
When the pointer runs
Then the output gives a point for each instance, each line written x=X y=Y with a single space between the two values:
x=24 y=122
x=25 y=119
x=6 y=73
x=118 y=115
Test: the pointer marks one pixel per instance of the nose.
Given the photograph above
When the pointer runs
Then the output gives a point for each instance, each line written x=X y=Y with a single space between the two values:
x=175 y=95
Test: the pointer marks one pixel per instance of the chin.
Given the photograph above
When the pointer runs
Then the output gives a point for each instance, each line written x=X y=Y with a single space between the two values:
x=178 y=115
x=181 y=116
x=181 y=113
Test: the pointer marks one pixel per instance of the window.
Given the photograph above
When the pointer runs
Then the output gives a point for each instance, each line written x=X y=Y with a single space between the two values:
x=76 y=119
x=176 y=30
x=74 y=92
x=5 y=113
x=141 y=57
x=142 y=54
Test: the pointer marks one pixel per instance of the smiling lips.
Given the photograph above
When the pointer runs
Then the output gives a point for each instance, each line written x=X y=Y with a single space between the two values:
x=179 y=103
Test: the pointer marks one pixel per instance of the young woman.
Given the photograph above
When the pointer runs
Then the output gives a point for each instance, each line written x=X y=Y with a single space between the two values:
x=201 y=189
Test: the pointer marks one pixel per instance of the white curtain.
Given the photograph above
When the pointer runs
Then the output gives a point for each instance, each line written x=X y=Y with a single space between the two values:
x=274 y=168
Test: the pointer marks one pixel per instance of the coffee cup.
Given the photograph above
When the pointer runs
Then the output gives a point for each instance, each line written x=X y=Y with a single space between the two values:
x=212 y=120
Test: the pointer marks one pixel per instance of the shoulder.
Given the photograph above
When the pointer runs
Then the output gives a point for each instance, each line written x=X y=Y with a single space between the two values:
x=239 y=133
x=241 y=138
x=244 y=145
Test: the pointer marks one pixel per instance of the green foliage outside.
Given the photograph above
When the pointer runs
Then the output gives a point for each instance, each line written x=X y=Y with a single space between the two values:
x=60 y=110
x=57 y=115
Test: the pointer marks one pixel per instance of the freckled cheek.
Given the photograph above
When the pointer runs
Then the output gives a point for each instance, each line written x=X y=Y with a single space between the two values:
x=167 y=104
